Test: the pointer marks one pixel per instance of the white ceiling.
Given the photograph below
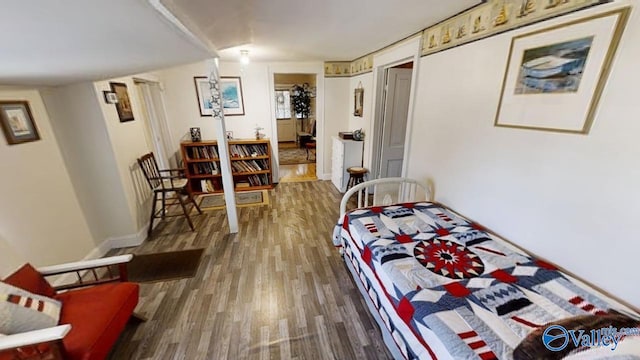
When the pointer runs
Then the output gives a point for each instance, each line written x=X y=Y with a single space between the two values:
x=281 y=30
x=62 y=42
x=54 y=42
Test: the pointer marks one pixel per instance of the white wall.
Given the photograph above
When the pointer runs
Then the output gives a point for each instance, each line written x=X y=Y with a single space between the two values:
x=337 y=108
x=40 y=218
x=366 y=120
x=10 y=260
x=257 y=95
x=573 y=199
x=128 y=143
x=81 y=132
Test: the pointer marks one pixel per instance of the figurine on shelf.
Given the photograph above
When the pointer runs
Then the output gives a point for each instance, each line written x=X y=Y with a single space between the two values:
x=259 y=135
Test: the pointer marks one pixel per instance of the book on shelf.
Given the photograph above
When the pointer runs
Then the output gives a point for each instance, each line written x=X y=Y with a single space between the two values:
x=205 y=168
x=258 y=180
x=242 y=185
x=203 y=152
x=247 y=150
x=206 y=185
x=250 y=165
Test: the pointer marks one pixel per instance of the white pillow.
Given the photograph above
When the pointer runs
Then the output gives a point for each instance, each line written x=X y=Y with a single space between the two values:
x=22 y=311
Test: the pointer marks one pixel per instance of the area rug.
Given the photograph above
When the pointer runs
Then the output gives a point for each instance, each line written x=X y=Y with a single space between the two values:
x=294 y=156
x=164 y=266
x=244 y=198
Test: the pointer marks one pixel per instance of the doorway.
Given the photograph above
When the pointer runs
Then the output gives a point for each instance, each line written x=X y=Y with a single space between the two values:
x=156 y=128
x=390 y=124
x=295 y=114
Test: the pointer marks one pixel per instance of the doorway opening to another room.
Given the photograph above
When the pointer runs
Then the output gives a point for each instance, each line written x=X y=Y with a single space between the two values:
x=155 y=124
x=390 y=124
x=295 y=113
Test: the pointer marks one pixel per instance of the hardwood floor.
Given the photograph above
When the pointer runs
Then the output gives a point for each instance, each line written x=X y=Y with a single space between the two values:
x=276 y=290
x=299 y=172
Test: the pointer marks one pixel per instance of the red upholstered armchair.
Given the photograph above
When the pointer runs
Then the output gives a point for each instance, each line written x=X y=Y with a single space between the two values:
x=94 y=309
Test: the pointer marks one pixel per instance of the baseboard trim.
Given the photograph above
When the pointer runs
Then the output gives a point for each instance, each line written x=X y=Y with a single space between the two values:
x=99 y=251
x=102 y=250
x=129 y=240
x=118 y=242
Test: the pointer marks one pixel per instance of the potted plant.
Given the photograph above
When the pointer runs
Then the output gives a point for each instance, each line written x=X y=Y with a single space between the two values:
x=301 y=100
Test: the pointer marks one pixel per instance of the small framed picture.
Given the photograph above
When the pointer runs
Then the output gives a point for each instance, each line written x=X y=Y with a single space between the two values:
x=358 y=102
x=17 y=122
x=229 y=135
x=110 y=97
x=195 y=134
x=123 y=106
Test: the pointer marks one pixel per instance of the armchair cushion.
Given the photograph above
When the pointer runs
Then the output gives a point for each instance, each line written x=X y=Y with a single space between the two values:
x=22 y=311
x=31 y=280
x=97 y=315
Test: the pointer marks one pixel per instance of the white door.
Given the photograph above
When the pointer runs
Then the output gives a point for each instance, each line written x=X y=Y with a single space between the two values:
x=396 y=109
x=156 y=125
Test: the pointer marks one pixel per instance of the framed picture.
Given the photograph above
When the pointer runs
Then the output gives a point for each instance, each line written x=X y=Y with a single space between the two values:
x=196 y=136
x=17 y=122
x=232 y=101
x=123 y=106
x=110 y=97
x=231 y=92
x=203 y=94
x=358 y=102
x=555 y=76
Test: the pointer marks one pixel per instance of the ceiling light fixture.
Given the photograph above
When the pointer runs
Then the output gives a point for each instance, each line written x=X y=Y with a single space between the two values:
x=244 y=57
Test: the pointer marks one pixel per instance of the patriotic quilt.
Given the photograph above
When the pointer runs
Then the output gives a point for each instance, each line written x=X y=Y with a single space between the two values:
x=447 y=288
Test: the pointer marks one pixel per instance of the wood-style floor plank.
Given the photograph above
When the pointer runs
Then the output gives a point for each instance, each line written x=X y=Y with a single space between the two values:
x=276 y=290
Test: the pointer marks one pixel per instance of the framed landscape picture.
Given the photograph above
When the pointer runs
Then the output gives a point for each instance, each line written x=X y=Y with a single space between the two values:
x=17 y=122
x=230 y=90
x=123 y=104
x=555 y=76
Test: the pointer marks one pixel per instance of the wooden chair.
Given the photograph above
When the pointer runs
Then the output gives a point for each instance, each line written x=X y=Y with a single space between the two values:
x=311 y=148
x=169 y=184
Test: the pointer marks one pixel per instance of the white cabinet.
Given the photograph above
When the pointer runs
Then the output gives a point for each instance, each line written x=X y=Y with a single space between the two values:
x=345 y=154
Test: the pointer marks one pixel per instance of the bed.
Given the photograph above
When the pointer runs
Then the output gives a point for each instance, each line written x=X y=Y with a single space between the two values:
x=443 y=287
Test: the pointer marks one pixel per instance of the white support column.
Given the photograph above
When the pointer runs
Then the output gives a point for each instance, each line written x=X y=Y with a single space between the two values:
x=223 y=147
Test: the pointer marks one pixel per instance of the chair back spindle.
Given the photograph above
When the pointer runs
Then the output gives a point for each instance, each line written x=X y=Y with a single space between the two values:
x=150 y=170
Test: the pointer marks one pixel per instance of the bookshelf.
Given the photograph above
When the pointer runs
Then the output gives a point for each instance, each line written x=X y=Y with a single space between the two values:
x=250 y=165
